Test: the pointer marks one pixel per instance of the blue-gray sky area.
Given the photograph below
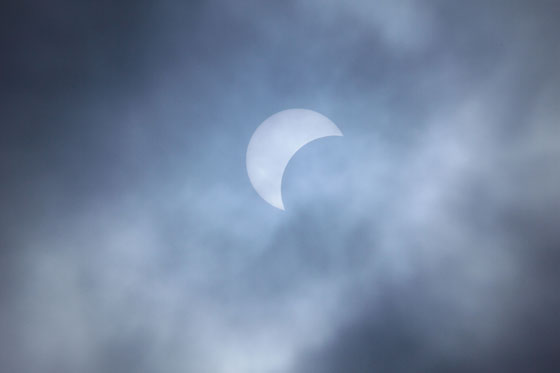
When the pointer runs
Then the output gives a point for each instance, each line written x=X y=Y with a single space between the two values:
x=427 y=239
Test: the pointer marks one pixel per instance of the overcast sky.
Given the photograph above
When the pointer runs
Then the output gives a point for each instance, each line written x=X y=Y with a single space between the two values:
x=427 y=239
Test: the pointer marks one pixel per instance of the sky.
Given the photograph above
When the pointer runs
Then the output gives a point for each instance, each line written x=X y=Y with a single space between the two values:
x=425 y=240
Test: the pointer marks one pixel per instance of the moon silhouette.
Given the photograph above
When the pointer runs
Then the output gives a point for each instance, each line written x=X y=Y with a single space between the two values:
x=276 y=141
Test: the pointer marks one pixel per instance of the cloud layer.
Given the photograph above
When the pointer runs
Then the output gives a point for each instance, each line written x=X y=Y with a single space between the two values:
x=425 y=239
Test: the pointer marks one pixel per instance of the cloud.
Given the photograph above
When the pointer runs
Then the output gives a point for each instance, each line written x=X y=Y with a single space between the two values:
x=424 y=239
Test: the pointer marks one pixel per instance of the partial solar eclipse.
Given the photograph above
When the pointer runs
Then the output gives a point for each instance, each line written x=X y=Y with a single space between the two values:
x=276 y=141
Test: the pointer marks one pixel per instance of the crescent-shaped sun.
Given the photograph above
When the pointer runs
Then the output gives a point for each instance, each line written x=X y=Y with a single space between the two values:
x=276 y=141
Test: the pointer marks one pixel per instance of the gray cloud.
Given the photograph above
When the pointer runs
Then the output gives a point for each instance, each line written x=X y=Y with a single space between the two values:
x=423 y=240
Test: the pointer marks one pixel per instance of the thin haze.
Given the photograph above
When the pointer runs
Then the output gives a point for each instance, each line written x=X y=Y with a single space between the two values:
x=424 y=240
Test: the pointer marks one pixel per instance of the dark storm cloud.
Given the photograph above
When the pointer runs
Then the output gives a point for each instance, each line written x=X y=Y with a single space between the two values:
x=425 y=239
